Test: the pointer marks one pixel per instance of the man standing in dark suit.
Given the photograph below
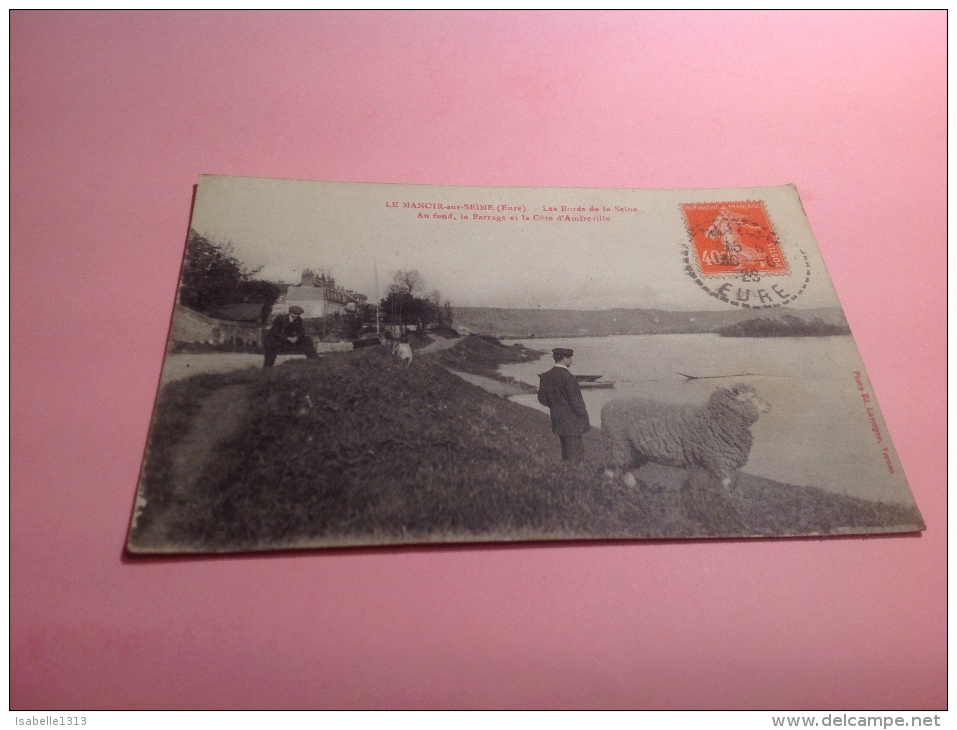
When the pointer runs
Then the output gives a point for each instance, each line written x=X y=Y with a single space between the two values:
x=287 y=334
x=558 y=389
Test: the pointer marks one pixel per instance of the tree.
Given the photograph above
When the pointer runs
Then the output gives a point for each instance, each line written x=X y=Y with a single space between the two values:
x=442 y=311
x=213 y=277
x=403 y=307
x=406 y=281
x=258 y=291
x=396 y=306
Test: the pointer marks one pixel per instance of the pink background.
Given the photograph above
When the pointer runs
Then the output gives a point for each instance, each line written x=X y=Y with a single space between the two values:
x=113 y=117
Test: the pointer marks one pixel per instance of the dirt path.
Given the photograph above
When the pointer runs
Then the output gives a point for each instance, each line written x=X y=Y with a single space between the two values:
x=179 y=366
x=441 y=343
x=220 y=414
x=495 y=387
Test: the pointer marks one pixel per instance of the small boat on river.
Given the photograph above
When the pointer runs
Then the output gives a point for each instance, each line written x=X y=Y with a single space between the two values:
x=593 y=381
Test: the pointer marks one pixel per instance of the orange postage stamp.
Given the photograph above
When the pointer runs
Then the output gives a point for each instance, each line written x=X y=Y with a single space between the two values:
x=734 y=238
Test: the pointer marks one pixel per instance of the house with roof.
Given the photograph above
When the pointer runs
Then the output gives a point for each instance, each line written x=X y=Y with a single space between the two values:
x=319 y=296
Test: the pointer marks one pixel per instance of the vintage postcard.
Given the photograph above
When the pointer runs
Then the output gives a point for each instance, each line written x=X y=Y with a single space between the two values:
x=367 y=364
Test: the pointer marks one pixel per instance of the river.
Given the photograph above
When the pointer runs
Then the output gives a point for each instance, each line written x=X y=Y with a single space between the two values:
x=818 y=433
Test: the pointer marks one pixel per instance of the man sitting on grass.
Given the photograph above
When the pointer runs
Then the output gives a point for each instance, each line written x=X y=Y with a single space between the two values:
x=288 y=334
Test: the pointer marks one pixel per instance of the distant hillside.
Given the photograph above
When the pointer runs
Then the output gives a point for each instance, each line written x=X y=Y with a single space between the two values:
x=526 y=323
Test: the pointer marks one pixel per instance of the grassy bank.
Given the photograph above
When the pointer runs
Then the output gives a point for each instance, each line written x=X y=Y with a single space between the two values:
x=481 y=355
x=358 y=448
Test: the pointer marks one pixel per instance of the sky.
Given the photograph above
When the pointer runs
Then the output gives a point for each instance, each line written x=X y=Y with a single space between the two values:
x=499 y=247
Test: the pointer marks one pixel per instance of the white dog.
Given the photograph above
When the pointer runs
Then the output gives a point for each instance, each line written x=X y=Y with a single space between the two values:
x=403 y=351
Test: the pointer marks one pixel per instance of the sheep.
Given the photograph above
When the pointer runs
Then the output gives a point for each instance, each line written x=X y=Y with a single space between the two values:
x=715 y=436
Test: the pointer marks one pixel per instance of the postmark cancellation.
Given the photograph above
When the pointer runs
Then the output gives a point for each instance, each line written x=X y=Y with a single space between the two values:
x=733 y=248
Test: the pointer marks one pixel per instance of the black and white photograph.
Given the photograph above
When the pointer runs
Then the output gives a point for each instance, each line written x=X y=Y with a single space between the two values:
x=356 y=364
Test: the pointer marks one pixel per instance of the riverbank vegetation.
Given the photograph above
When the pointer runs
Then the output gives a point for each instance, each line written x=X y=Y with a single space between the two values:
x=787 y=326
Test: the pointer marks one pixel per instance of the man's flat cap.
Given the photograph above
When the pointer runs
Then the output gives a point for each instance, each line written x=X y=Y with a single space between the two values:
x=296 y=310
x=561 y=353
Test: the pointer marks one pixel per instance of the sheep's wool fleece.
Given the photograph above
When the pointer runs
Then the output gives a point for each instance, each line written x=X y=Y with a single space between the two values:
x=716 y=436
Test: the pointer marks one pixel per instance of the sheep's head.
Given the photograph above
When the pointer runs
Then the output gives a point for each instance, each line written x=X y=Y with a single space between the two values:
x=742 y=399
x=745 y=393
